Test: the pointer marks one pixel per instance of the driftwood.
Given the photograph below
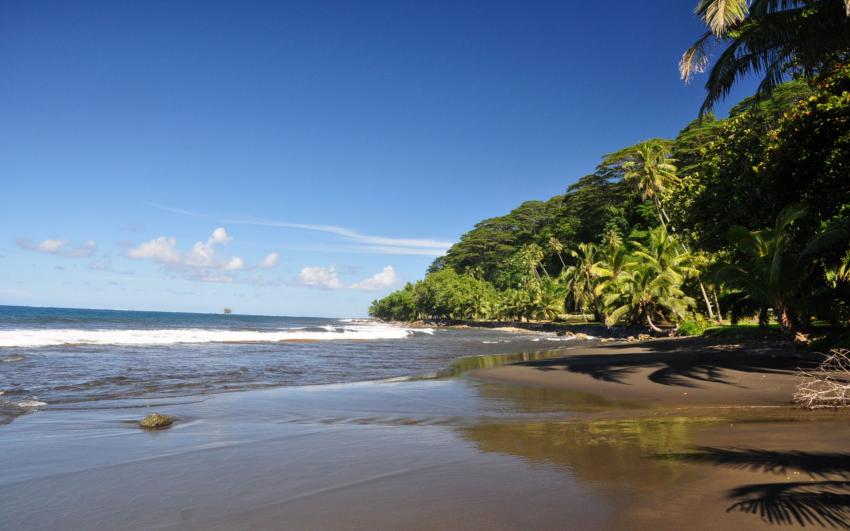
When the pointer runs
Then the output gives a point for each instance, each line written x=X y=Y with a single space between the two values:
x=828 y=385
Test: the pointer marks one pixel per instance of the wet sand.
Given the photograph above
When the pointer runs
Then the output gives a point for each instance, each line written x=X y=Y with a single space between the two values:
x=676 y=372
x=465 y=452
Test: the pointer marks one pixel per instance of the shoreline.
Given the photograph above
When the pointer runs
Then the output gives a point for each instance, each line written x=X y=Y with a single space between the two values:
x=590 y=328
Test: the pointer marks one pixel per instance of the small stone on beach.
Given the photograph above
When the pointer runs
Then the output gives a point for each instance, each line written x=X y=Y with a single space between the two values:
x=155 y=421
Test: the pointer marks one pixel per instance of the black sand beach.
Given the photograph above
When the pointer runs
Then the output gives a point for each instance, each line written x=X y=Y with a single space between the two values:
x=455 y=453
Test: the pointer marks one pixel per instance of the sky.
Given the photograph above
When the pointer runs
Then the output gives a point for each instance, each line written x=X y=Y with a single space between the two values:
x=303 y=158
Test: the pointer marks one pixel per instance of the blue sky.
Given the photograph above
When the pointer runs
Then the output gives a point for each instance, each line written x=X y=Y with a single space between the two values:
x=339 y=146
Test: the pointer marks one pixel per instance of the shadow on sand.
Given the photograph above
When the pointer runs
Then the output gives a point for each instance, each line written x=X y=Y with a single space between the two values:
x=683 y=363
x=823 y=499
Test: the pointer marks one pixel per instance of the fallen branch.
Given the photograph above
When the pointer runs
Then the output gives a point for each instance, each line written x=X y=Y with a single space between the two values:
x=827 y=386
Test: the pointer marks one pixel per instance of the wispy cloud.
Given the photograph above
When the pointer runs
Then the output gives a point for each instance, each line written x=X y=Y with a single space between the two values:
x=365 y=243
x=59 y=247
x=350 y=234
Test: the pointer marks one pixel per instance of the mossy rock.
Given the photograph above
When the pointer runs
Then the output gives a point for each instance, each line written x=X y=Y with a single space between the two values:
x=156 y=421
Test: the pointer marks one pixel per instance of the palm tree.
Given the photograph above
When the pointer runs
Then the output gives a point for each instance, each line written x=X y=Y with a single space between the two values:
x=558 y=248
x=650 y=172
x=548 y=299
x=580 y=280
x=775 y=273
x=649 y=286
x=531 y=256
x=609 y=269
x=770 y=38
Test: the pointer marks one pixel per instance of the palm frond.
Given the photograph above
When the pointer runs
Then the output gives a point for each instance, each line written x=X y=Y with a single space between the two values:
x=719 y=15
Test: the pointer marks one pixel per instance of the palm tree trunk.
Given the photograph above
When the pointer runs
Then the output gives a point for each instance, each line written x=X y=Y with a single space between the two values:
x=707 y=301
x=651 y=324
x=561 y=258
x=666 y=217
x=763 y=317
x=787 y=322
x=717 y=304
x=659 y=210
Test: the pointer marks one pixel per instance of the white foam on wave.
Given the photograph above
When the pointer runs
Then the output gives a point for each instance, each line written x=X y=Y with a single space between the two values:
x=30 y=403
x=568 y=338
x=69 y=336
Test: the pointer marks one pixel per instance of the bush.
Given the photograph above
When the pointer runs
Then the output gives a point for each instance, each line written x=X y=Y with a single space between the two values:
x=693 y=327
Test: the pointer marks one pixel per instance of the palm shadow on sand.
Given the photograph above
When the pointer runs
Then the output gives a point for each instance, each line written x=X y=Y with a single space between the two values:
x=823 y=500
x=680 y=363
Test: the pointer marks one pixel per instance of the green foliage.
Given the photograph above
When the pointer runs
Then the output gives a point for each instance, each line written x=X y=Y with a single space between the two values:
x=648 y=289
x=397 y=306
x=769 y=38
x=632 y=242
x=693 y=327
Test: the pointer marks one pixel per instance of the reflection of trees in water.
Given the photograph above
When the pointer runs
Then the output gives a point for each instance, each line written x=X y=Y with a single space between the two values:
x=488 y=361
x=613 y=452
x=823 y=500
x=533 y=399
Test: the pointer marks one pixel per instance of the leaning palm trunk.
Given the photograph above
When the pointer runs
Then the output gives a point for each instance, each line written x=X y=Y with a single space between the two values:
x=649 y=322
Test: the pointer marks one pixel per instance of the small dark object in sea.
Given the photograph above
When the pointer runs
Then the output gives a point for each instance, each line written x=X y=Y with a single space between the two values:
x=156 y=421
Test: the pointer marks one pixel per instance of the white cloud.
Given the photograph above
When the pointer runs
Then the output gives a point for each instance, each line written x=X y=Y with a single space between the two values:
x=162 y=250
x=235 y=264
x=59 y=247
x=270 y=261
x=320 y=277
x=328 y=277
x=204 y=261
x=219 y=235
x=382 y=280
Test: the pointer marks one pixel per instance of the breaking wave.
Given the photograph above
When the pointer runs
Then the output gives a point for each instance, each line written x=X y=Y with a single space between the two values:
x=68 y=336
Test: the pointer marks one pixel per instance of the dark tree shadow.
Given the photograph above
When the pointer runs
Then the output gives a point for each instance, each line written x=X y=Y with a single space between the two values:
x=678 y=363
x=822 y=501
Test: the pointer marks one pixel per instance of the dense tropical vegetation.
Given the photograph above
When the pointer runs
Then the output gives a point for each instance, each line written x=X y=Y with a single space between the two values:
x=745 y=216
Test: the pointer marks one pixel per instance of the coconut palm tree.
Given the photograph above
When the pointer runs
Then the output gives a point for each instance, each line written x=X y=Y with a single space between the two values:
x=547 y=298
x=615 y=257
x=531 y=256
x=769 y=38
x=580 y=280
x=557 y=247
x=648 y=289
x=651 y=172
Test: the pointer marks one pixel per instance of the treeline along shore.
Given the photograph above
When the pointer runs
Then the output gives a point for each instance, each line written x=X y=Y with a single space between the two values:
x=744 y=218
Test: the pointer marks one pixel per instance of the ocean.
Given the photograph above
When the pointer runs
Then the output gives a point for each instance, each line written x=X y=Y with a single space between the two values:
x=52 y=356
